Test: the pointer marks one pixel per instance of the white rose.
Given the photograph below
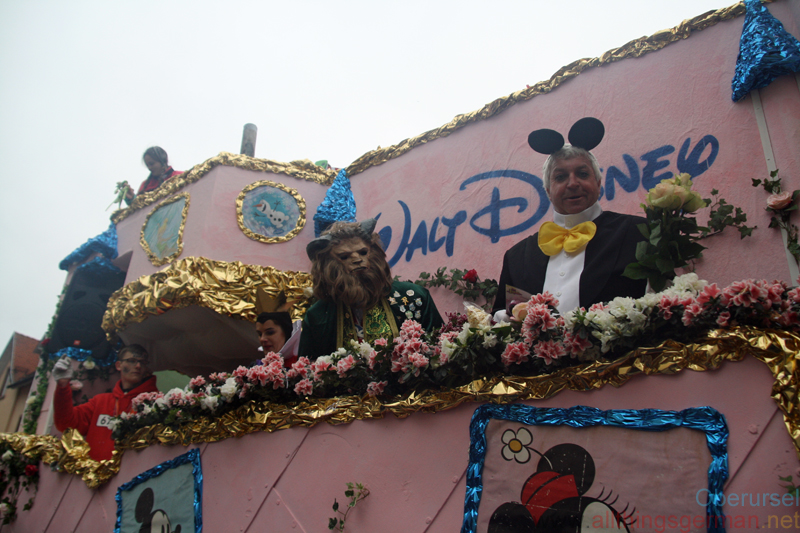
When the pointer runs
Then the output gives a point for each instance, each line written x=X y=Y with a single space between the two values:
x=8 y=455
x=229 y=388
x=209 y=402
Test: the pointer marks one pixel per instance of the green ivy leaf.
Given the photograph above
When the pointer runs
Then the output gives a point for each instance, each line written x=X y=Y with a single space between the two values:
x=335 y=505
x=332 y=522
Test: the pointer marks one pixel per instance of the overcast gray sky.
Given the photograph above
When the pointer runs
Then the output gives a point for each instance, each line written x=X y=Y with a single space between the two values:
x=87 y=86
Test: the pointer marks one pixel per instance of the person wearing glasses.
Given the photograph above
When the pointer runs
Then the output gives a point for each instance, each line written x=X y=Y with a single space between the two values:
x=92 y=419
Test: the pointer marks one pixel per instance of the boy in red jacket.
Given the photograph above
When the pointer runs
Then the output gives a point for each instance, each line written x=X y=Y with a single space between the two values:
x=92 y=418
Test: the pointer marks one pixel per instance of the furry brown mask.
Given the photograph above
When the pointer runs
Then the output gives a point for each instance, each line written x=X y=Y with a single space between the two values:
x=363 y=288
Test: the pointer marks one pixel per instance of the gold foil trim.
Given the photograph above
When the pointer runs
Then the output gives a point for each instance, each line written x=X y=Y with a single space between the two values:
x=301 y=204
x=228 y=288
x=158 y=261
x=304 y=170
x=778 y=349
x=70 y=453
x=635 y=48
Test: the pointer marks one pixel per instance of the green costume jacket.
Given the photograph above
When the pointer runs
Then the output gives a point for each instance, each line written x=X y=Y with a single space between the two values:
x=325 y=329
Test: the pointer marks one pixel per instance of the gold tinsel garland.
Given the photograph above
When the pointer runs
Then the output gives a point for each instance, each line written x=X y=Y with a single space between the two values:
x=229 y=288
x=304 y=170
x=779 y=350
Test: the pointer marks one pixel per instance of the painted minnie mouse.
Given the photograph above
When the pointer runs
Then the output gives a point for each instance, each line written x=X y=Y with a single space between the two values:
x=553 y=499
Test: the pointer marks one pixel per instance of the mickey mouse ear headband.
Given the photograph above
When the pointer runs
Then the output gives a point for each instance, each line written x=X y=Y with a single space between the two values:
x=322 y=242
x=586 y=133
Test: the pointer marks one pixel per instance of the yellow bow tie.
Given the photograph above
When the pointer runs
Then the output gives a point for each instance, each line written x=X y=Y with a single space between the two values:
x=552 y=237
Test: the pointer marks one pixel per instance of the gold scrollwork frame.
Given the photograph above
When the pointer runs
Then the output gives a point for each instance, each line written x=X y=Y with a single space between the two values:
x=150 y=255
x=301 y=204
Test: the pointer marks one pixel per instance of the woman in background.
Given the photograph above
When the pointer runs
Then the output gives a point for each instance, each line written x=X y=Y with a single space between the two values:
x=157 y=162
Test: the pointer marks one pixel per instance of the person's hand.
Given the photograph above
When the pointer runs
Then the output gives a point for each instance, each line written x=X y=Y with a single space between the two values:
x=62 y=371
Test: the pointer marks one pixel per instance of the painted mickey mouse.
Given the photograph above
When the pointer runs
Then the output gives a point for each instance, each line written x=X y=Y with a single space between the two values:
x=152 y=521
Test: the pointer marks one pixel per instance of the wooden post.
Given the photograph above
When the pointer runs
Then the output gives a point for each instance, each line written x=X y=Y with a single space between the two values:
x=249 y=140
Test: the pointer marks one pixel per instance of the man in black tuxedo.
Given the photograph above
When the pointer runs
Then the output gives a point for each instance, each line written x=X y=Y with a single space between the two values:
x=597 y=245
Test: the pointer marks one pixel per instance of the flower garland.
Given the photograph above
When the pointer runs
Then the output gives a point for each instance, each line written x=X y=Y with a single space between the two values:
x=538 y=341
x=17 y=472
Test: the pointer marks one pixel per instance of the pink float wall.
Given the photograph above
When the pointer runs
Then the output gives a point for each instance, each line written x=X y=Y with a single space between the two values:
x=415 y=467
x=212 y=231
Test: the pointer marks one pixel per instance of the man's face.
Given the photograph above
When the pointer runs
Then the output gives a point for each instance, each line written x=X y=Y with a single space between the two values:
x=132 y=369
x=270 y=335
x=353 y=254
x=573 y=186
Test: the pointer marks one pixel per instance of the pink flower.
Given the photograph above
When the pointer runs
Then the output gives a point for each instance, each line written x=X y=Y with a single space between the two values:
x=304 y=387
x=549 y=350
x=788 y=318
x=794 y=295
x=197 y=382
x=724 y=319
x=410 y=330
x=709 y=292
x=471 y=276
x=344 y=365
x=515 y=352
x=779 y=201
x=380 y=342
x=575 y=344
x=690 y=313
x=375 y=388
x=419 y=361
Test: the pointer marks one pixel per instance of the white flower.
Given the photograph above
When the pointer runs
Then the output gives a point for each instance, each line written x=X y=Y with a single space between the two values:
x=31 y=399
x=4 y=508
x=308 y=292
x=516 y=445
x=161 y=403
x=464 y=334
x=448 y=348
x=147 y=409
x=340 y=353
x=569 y=319
x=8 y=455
x=364 y=350
x=229 y=388
x=489 y=340
x=88 y=364
x=325 y=359
x=209 y=402
x=113 y=423
x=125 y=415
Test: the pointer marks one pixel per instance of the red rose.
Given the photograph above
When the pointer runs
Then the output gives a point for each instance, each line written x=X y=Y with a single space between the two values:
x=471 y=276
x=31 y=470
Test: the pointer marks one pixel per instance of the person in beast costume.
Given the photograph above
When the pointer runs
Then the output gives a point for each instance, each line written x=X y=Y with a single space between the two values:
x=357 y=298
x=92 y=418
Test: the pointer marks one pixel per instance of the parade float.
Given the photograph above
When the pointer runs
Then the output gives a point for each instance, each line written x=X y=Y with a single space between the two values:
x=674 y=411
